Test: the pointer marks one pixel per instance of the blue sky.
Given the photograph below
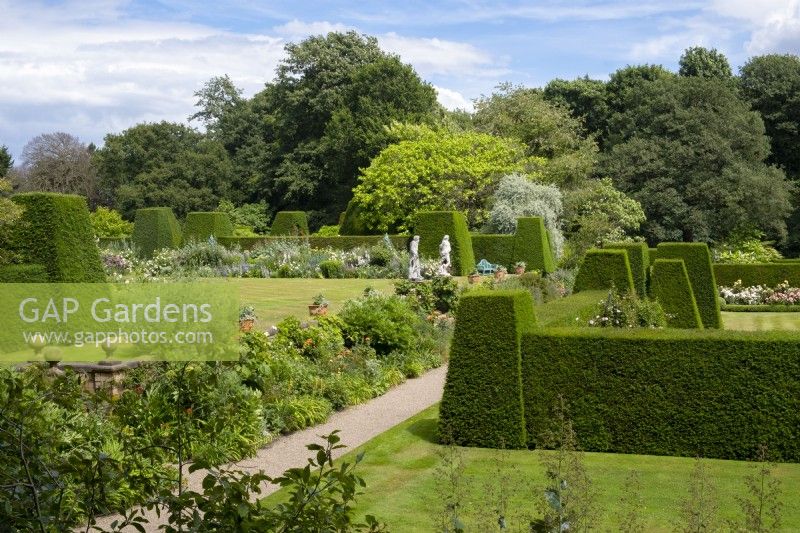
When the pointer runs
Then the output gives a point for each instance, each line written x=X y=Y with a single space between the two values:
x=89 y=67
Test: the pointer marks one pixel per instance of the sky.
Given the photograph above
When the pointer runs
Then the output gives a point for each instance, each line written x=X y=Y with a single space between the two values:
x=92 y=67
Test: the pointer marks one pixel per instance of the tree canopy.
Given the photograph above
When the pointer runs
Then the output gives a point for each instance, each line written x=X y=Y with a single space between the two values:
x=700 y=61
x=692 y=153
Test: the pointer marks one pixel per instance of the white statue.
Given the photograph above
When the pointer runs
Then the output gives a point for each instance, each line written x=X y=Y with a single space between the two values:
x=414 y=267
x=444 y=256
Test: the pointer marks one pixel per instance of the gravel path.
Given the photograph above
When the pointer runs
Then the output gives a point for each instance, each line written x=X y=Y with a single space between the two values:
x=357 y=425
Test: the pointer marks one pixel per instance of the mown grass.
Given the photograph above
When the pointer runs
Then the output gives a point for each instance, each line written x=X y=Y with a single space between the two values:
x=401 y=490
x=761 y=321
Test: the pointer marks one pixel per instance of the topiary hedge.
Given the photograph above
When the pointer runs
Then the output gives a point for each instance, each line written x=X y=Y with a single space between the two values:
x=432 y=226
x=154 y=229
x=671 y=287
x=639 y=259
x=532 y=245
x=497 y=249
x=352 y=223
x=697 y=259
x=29 y=273
x=769 y=274
x=290 y=223
x=348 y=242
x=707 y=393
x=200 y=226
x=603 y=269
x=55 y=232
x=482 y=400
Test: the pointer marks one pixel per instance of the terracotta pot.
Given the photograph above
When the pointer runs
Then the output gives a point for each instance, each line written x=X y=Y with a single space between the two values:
x=246 y=325
x=317 y=310
x=474 y=278
x=519 y=270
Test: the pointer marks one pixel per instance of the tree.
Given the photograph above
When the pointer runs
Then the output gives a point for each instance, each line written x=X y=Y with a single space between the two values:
x=623 y=85
x=217 y=97
x=58 y=162
x=700 y=61
x=692 y=153
x=6 y=161
x=586 y=100
x=547 y=130
x=163 y=164
x=435 y=170
x=299 y=143
x=597 y=212
x=519 y=196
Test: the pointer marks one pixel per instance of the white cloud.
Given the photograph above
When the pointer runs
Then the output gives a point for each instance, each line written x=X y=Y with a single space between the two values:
x=431 y=56
x=452 y=100
x=298 y=29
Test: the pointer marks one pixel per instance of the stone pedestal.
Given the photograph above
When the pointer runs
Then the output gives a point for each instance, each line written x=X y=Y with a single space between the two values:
x=102 y=376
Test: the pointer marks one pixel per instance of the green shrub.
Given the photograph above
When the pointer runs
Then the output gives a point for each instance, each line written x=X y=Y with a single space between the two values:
x=532 y=245
x=109 y=224
x=652 y=253
x=327 y=231
x=603 y=269
x=482 y=400
x=290 y=223
x=670 y=285
x=200 y=226
x=30 y=273
x=386 y=323
x=628 y=310
x=438 y=294
x=298 y=412
x=697 y=259
x=154 y=229
x=692 y=393
x=55 y=231
x=769 y=274
x=638 y=257
x=432 y=226
x=331 y=269
x=497 y=249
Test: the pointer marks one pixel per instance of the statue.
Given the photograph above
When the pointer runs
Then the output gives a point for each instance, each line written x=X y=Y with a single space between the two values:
x=444 y=256
x=414 y=267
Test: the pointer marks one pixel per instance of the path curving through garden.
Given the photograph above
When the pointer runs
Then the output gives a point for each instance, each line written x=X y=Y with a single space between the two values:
x=357 y=424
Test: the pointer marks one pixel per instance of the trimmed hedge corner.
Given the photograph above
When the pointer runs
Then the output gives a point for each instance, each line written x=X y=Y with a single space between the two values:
x=715 y=394
x=639 y=259
x=482 y=401
x=290 y=223
x=769 y=274
x=602 y=269
x=29 y=273
x=55 y=232
x=432 y=226
x=671 y=287
x=532 y=245
x=351 y=222
x=154 y=229
x=697 y=259
x=202 y=225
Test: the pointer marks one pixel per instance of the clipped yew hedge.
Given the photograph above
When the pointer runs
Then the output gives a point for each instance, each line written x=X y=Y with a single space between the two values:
x=482 y=401
x=532 y=245
x=671 y=287
x=200 y=225
x=697 y=259
x=56 y=233
x=603 y=269
x=342 y=242
x=155 y=228
x=497 y=249
x=28 y=273
x=717 y=394
x=639 y=259
x=769 y=274
x=290 y=223
x=432 y=226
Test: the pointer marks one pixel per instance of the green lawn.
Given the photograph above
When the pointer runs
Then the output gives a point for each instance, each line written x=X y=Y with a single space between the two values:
x=761 y=321
x=401 y=490
x=276 y=298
